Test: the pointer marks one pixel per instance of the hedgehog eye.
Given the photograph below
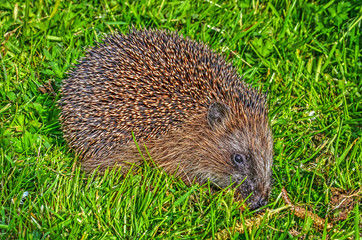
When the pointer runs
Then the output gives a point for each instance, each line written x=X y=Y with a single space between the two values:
x=239 y=158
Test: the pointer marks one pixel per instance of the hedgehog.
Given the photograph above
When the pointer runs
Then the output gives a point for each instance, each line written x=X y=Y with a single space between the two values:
x=185 y=105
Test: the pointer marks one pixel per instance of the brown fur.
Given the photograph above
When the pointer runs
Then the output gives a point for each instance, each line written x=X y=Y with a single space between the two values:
x=164 y=88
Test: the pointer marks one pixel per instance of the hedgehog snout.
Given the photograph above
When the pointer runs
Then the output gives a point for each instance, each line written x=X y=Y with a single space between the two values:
x=255 y=191
x=257 y=202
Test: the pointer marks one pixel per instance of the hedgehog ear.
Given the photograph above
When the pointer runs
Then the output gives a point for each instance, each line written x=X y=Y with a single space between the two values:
x=217 y=114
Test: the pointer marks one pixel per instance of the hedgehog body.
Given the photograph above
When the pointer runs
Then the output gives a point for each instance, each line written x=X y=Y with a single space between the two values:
x=181 y=100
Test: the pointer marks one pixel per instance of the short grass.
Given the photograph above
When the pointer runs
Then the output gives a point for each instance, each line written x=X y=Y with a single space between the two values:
x=306 y=54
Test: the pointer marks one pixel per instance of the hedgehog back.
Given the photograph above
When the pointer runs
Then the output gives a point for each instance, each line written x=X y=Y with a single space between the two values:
x=147 y=82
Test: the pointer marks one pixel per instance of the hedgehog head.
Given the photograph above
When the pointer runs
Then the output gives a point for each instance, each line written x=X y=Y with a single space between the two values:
x=240 y=151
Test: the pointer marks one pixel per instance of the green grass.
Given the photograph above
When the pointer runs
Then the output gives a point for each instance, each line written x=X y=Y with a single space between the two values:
x=307 y=55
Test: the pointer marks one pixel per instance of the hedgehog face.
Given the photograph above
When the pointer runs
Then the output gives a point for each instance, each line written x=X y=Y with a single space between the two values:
x=247 y=154
x=251 y=161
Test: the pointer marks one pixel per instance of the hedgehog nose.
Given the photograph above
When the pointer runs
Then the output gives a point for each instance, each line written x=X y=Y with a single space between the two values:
x=262 y=202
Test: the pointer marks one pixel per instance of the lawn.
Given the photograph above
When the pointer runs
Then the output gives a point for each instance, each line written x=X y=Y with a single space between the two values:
x=306 y=54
